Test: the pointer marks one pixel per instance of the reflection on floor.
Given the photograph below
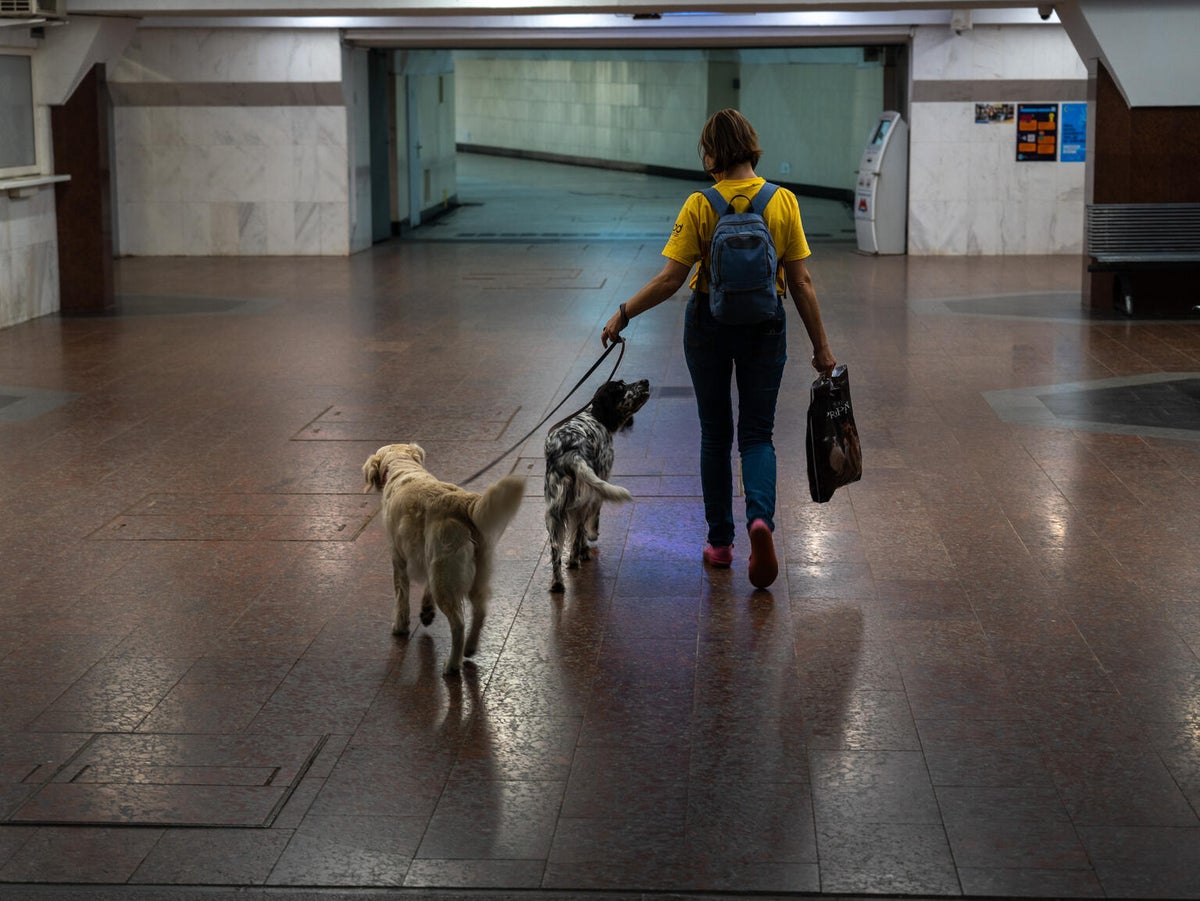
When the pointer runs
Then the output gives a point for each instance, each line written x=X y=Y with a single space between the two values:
x=976 y=675
x=502 y=199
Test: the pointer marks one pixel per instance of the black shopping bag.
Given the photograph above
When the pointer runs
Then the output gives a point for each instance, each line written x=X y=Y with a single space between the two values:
x=834 y=452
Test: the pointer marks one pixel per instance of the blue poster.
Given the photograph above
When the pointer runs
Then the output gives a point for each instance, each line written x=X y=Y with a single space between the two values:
x=1074 y=133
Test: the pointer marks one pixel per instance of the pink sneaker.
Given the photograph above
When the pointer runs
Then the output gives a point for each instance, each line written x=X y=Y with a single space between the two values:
x=720 y=557
x=763 y=565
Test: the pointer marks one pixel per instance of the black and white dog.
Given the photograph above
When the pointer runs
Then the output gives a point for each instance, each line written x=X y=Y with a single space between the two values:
x=579 y=457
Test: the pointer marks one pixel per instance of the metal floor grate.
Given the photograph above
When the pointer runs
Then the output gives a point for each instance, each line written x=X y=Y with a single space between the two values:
x=123 y=779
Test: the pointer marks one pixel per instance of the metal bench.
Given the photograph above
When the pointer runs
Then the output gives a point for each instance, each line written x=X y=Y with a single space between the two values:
x=1125 y=238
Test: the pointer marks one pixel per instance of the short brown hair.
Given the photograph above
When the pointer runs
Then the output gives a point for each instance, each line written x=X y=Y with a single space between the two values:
x=728 y=139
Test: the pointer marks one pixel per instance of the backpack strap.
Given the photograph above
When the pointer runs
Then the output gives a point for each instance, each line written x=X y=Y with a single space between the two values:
x=763 y=197
x=758 y=203
x=715 y=199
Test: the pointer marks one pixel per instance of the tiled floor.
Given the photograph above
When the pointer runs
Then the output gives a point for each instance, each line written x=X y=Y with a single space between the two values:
x=977 y=674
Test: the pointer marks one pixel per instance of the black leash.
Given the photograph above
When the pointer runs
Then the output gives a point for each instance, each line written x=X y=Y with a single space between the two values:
x=587 y=375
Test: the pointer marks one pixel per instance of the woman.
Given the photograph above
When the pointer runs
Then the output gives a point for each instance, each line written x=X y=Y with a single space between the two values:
x=717 y=353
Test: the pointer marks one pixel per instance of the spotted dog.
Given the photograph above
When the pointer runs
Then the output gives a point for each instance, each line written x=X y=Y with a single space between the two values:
x=579 y=457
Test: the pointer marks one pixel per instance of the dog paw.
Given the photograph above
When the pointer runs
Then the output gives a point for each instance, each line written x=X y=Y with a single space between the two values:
x=400 y=631
x=557 y=587
x=449 y=671
x=427 y=616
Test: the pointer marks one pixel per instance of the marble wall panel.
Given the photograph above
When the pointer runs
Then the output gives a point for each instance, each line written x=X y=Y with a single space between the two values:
x=306 y=224
x=252 y=229
x=649 y=110
x=319 y=125
x=29 y=285
x=9 y=302
x=356 y=86
x=195 y=228
x=223 y=226
x=995 y=52
x=220 y=165
x=812 y=118
x=229 y=155
x=230 y=55
x=1012 y=207
x=967 y=192
x=318 y=173
x=164 y=223
x=637 y=110
x=334 y=225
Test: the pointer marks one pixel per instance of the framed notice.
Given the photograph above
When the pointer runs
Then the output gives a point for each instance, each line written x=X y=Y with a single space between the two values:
x=1037 y=132
x=1073 y=148
x=989 y=113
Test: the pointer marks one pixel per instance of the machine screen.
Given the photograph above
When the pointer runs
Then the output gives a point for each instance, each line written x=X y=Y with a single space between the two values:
x=881 y=132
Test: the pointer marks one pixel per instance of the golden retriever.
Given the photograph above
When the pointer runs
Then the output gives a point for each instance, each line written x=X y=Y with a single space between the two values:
x=443 y=535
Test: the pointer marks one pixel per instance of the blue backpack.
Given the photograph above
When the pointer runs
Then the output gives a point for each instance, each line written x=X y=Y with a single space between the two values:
x=742 y=266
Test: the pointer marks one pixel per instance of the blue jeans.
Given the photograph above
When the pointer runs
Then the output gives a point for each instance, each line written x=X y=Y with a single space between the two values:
x=755 y=355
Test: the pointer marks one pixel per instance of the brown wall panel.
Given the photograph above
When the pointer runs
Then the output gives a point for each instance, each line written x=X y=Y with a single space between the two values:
x=85 y=257
x=1144 y=155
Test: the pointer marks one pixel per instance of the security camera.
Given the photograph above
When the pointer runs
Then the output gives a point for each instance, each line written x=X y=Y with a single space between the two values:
x=1045 y=11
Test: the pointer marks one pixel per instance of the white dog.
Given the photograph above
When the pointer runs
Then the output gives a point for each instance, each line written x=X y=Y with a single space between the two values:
x=443 y=535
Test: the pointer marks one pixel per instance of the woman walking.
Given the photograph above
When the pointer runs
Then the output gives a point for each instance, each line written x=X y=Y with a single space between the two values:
x=717 y=352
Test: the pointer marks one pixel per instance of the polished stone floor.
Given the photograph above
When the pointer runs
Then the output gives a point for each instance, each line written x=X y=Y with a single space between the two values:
x=977 y=674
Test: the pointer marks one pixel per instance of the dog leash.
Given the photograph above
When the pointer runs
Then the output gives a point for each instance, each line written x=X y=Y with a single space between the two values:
x=619 y=341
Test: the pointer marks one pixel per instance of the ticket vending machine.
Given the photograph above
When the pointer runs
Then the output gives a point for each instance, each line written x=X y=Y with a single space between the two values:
x=881 y=194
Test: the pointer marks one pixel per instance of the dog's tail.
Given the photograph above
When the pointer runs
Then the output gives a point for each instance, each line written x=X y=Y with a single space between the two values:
x=496 y=507
x=374 y=475
x=606 y=490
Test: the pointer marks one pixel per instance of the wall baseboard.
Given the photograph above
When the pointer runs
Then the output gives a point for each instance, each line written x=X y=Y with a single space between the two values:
x=693 y=175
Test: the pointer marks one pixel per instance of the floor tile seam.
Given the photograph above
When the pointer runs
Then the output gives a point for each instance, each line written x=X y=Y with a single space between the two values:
x=1067 y=820
x=280 y=574
x=1046 y=753
x=101 y=891
x=26 y=725
x=945 y=831
x=110 y=658
x=279 y=861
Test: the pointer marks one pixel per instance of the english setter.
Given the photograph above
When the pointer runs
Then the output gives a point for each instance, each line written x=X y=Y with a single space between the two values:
x=579 y=458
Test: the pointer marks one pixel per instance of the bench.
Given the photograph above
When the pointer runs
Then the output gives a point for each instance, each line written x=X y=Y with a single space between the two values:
x=1125 y=238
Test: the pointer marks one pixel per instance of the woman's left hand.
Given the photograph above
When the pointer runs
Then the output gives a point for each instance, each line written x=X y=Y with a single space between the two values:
x=823 y=360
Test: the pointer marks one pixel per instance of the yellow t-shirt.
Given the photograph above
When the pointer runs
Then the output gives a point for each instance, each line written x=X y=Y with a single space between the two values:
x=695 y=223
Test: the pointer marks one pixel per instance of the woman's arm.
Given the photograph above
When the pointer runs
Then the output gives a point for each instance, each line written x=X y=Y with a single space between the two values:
x=669 y=280
x=804 y=296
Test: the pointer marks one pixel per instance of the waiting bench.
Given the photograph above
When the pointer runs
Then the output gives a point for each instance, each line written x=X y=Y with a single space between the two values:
x=1125 y=238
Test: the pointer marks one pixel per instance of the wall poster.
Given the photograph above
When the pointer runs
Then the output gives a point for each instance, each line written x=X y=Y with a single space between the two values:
x=987 y=113
x=1037 y=132
x=1074 y=133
